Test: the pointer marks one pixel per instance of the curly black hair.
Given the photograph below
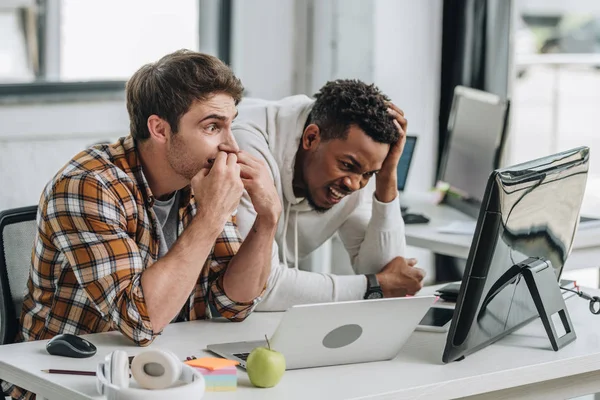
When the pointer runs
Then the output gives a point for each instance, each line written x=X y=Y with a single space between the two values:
x=345 y=102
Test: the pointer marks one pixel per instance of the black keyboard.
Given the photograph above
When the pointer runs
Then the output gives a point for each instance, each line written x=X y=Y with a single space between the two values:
x=242 y=356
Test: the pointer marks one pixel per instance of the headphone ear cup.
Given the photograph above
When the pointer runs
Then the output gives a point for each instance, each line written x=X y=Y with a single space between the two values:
x=118 y=369
x=156 y=369
x=177 y=364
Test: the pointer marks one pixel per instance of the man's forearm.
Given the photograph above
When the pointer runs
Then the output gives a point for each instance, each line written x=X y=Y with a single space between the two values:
x=386 y=187
x=249 y=269
x=167 y=284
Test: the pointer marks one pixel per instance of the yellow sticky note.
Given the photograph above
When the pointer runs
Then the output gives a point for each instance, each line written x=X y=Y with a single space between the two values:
x=211 y=363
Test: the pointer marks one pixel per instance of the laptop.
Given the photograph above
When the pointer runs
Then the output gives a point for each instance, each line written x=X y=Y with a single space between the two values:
x=348 y=332
x=405 y=161
x=402 y=176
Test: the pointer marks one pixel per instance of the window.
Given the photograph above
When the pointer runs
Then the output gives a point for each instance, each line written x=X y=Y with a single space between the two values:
x=96 y=40
x=556 y=91
x=111 y=39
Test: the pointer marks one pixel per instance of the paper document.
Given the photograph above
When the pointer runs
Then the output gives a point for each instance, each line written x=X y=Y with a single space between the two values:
x=468 y=227
x=458 y=228
x=588 y=222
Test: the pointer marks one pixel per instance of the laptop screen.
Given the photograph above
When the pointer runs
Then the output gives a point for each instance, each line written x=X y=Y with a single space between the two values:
x=405 y=160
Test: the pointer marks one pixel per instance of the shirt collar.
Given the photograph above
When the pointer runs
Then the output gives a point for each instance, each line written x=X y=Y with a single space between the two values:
x=135 y=164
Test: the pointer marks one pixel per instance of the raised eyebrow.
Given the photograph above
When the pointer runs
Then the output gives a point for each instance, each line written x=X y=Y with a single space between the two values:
x=214 y=116
x=218 y=116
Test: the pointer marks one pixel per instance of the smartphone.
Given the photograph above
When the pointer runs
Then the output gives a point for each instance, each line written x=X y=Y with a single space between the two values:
x=437 y=319
x=449 y=292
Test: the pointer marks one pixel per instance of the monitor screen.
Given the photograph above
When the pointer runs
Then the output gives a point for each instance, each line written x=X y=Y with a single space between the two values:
x=530 y=210
x=405 y=160
x=475 y=137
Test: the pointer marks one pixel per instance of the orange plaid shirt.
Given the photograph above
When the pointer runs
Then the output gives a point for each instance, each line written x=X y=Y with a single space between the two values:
x=96 y=234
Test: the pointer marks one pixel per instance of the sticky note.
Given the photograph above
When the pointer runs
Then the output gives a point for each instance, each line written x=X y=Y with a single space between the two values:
x=211 y=363
x=219 y=380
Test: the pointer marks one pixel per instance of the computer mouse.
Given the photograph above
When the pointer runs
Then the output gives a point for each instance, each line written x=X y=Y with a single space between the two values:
x=410 y=218
x=68 y=345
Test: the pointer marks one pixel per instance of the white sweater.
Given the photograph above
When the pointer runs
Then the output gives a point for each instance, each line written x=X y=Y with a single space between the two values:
x=372 y=232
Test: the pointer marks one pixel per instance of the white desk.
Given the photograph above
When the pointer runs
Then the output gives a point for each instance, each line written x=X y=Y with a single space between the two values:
x=586 y=246
x=521 y=365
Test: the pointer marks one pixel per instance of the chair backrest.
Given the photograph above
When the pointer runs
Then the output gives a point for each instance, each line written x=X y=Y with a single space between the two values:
x=17 y=234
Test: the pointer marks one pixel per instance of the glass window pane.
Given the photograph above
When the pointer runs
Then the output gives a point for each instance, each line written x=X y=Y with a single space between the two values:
x=15 y=65
x=111 y=39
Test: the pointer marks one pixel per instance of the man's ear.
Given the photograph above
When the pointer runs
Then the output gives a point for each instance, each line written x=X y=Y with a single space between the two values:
x=311 y=137
x=159 y=129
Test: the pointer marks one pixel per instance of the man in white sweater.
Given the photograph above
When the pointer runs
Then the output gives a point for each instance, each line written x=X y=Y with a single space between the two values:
x=322 y=153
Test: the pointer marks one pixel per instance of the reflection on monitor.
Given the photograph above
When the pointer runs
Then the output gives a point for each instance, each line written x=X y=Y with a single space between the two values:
x=475 y=138
x=529 y=211
x=405 y=161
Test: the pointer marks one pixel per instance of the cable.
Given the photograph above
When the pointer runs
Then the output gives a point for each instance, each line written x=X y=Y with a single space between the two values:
x=594 y=300
x=570 y=290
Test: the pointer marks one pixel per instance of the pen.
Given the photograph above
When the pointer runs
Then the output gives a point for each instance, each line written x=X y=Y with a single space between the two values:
x=69 y=372
x=88 y=373
x=186 y=359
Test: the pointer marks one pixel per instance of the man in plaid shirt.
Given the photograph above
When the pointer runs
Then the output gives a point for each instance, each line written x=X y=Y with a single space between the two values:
x=140 y=233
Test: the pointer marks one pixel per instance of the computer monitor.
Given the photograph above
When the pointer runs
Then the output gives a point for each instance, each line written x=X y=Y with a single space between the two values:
x=530 y=212
x=405 y=161
x=476 y=135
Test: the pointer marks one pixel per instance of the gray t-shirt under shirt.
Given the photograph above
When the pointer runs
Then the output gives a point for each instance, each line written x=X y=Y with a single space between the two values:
x=167 y=213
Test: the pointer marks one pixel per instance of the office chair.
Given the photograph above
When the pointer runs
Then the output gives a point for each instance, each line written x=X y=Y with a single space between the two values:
x=17 y=233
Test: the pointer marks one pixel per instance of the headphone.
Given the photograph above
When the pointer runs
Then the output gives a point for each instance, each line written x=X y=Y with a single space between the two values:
x=155 y=371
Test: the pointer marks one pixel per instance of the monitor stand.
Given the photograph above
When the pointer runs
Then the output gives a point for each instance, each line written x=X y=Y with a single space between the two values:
x=547 y=297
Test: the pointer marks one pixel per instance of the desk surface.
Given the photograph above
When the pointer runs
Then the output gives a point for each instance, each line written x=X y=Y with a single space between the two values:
x=586 y=244
x=522 y=358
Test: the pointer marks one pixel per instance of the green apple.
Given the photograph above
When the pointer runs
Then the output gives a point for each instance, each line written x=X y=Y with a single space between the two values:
x=265 y=366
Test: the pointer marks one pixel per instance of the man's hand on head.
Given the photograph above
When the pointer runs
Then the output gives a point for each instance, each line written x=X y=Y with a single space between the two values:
x=260 y=187
x=400 y=277
x=387 y=180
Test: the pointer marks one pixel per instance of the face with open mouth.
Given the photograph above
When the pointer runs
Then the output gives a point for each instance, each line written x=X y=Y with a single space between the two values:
x=336 y=168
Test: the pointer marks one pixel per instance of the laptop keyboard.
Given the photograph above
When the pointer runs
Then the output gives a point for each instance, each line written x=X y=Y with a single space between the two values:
x=242 y=356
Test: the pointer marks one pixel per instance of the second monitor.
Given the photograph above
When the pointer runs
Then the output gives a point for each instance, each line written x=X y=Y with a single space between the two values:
x=524 y=235
x=476 y=135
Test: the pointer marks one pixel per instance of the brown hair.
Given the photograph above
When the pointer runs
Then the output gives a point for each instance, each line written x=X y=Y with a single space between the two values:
x=168 y=87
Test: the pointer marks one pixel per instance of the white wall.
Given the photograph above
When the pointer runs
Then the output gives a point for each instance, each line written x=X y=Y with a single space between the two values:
x=38 y=139
x=407 y=66
x=263 y=47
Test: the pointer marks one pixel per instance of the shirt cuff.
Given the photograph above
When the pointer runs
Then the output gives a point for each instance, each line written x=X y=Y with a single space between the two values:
x=230 y=309
x=350 y=287
x=386 y=216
